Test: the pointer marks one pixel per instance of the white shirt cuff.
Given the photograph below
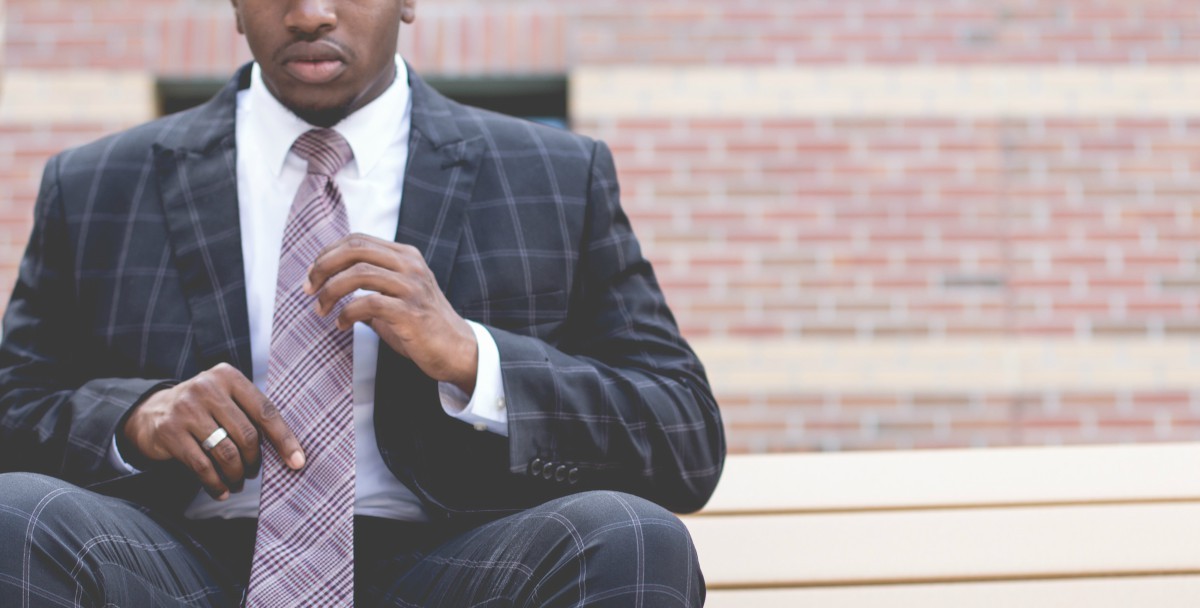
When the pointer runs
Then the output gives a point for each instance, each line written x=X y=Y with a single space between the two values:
x=115 y=459
x=485 y=410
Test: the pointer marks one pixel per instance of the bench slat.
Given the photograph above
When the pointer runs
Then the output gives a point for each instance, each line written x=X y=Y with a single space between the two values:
x=955 y=544
x=1160 y=592
x=938 y=478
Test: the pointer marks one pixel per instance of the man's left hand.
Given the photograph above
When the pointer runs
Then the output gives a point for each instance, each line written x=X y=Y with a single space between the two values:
x=408 y=310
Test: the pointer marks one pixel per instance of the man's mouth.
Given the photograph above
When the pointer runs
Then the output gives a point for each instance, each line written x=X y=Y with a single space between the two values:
x=315 y=62
x=317 y=71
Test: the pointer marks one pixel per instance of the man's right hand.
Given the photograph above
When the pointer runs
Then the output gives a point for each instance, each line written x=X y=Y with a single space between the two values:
x=172 y=423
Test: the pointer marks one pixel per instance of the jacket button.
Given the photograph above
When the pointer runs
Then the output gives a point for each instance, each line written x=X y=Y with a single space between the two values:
x=560 y=474
x=548 y=471
x=535 y=467
x=573 y=476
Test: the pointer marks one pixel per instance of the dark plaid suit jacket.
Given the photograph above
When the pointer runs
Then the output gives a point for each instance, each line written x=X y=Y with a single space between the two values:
x=134 y=278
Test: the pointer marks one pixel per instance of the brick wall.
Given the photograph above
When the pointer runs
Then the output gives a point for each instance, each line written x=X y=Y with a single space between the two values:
x=883 y=224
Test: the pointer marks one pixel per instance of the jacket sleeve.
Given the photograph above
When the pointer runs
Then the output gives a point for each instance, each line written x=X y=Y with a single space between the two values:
x=56 y=418
x=622 y=400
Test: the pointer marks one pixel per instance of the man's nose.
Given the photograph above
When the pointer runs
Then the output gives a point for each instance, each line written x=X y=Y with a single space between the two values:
x=311 y=16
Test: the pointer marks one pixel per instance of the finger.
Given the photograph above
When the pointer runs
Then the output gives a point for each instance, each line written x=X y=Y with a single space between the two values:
x=243 y=434
x=368 y=309
x=225 y=455
x=266 y=416
x=357 y=248
x=360 y=276
x=188 y=451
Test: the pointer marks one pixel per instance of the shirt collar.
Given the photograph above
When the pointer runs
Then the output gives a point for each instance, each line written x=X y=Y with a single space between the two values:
x=369 y=131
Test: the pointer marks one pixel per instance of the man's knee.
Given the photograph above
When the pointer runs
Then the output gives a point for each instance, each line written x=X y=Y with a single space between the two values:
x=71 y=546
x=624 y=518
x=37 y=507
x=605 y=511
x=29 y=516
x=28 y=484
x=631 y=546
x=25 y=496
x=49 y=517
x=56 y=515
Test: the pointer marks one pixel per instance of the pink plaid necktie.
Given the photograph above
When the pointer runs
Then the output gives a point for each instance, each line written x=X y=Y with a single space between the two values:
x=304 y=552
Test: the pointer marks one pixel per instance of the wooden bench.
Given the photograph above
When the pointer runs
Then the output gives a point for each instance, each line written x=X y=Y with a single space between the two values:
x=1099 y=526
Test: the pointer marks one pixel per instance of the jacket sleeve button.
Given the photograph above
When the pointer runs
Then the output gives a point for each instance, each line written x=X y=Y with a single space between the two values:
x=535 y=467
x=573 y=476
x=560 y=474
x=548 y=471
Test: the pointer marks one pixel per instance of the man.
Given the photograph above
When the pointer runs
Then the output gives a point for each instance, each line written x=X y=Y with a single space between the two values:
x=410 y=351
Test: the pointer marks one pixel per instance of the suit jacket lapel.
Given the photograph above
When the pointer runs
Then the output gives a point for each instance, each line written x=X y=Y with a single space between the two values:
x=438 y=183
x=198 y=183
x=442 y=166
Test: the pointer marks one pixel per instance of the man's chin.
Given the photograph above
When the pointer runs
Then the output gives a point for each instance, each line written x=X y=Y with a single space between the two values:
x=321 y=117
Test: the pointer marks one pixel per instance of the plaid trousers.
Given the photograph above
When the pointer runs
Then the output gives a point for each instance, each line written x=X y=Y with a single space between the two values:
x=66 y=546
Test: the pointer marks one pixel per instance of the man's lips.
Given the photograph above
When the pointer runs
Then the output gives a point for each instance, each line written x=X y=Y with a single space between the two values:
x=315 y=62
x=314 y=71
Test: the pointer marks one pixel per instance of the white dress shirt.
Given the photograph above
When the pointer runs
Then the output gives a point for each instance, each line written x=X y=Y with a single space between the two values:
x=269 y=175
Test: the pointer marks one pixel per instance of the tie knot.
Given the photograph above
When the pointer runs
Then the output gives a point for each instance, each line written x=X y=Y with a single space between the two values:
x=325 y=150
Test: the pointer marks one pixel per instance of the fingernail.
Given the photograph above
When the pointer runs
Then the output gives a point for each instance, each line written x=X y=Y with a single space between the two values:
x=296 y=460
x=308 y=288
x=223 y=496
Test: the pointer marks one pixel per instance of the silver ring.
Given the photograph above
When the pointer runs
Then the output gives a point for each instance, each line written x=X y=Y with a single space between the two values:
x=217 y=436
